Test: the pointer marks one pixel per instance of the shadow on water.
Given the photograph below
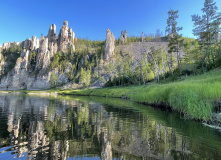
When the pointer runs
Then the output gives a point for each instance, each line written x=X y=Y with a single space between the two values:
x=99 y=128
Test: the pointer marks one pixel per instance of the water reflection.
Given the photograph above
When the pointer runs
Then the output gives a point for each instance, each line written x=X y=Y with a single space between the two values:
x=41 y=128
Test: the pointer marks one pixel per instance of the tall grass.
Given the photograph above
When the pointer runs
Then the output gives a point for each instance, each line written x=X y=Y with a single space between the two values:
x=194 y=96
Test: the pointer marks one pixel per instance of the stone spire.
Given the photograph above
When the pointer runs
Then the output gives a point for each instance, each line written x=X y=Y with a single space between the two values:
x=123 y=37
x=35 y=43
x=109 y=44
x=66 y=38
x=52 y=39
x=52 y=33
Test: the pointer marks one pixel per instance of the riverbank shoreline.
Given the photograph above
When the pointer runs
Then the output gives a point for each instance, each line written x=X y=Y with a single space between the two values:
x=196 y=97
x=214 y=122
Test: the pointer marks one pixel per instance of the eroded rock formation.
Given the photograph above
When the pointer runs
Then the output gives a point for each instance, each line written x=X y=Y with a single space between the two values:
x=109 y=44
x=66 y=38
x=123 y=37
x=6 y=45
x=21 y=76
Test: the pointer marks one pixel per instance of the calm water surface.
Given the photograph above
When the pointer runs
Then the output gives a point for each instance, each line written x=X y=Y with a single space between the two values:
x=99 y=128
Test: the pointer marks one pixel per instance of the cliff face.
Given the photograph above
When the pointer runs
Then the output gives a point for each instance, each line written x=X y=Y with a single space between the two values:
x=32 y=63
x=22 y=76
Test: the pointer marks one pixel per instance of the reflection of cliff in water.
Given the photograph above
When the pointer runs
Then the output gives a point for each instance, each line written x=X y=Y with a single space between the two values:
x=40 y=128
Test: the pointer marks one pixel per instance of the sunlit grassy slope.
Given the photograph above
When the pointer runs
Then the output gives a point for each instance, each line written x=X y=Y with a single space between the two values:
x=195 y=96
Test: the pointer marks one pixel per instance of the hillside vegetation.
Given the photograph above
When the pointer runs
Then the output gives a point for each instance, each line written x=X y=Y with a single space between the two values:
x=194 y=96
x=175 y=71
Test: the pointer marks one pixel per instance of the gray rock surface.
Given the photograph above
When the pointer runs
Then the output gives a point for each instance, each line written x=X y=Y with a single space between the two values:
x=21 y=76
x=35 y=43
x=35 y=74
x=6 y=45
x=52 y=33
x=123 y=37
x=43 y=56
x=109 y=44
x=138 y=49
x=66 y=38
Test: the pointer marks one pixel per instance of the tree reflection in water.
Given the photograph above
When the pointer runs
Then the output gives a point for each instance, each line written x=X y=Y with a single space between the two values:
x=62 y=127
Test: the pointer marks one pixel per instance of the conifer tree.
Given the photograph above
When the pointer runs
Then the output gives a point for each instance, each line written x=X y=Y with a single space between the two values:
x=53 y=79
x=207 y=25
x=175 y=39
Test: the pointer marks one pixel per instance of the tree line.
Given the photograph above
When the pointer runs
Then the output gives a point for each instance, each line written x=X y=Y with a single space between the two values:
x=183 y=56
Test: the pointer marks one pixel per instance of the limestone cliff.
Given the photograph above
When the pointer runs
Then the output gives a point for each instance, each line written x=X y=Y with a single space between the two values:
x=22 y=76
x=54 y=61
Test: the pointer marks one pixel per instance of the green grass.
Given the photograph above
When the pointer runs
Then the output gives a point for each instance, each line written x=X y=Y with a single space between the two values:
x=194 y=96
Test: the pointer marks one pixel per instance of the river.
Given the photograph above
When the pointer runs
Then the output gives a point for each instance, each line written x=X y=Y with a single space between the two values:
x=92 y=128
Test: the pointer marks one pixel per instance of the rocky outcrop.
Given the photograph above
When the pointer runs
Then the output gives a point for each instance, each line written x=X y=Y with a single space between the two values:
x=52 y=39
x=123 y=37
x=42 y=59
x=21 y=76
x=35 y=43
x=52 y=33
x=32 y=69
x=66 y=38
x=6 y=45
x=109 y=44
x=138 y=50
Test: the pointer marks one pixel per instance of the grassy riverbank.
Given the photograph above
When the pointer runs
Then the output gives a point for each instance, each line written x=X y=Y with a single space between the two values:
x=195 y=96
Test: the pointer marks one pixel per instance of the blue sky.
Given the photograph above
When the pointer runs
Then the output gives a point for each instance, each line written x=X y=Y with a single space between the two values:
x=90 y=18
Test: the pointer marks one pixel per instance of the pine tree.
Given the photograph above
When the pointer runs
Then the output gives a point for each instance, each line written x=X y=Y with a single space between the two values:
x=163 y=59
x=187 y=59
x=88 y=78
x=82 y=76
x=145 y=64
x=155 y=59
x=207 y=25
x=175 y=39
x=53 y=79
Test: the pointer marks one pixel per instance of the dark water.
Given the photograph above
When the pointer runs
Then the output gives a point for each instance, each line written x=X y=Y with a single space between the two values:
x=98 y=128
